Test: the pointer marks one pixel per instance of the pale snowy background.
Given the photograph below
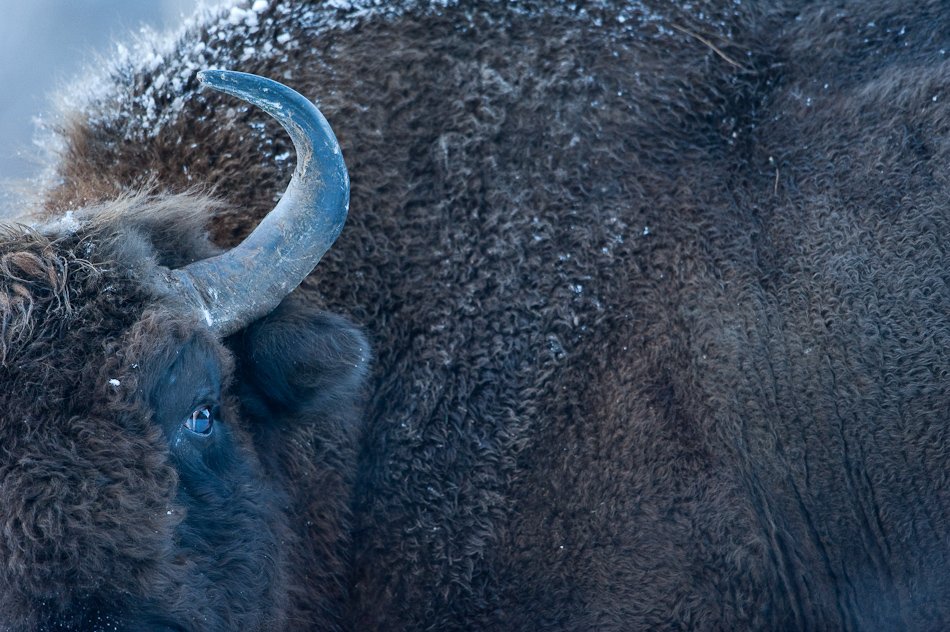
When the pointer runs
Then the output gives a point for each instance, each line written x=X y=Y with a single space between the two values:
x=45 y=44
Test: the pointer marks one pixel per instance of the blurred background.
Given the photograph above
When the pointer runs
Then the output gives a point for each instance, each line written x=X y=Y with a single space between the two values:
x=45 y=43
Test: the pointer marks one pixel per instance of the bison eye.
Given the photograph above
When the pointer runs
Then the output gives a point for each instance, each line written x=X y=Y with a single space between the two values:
x=200 y=421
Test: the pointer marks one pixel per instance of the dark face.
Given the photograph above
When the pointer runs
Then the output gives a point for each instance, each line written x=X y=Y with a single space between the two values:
x=150 y=507
x=225 y=570
x=147 y=469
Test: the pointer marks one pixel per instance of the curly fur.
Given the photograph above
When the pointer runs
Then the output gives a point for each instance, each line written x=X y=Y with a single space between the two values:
x=111 y=520
x=658 y=294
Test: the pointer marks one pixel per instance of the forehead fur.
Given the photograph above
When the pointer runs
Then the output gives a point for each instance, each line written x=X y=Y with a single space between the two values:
x=95 y=265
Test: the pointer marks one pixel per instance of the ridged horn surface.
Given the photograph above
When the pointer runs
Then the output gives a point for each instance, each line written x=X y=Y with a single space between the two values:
x=233 y=289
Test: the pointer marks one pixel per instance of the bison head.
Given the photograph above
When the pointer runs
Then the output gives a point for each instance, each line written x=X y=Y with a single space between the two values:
x=175 y=434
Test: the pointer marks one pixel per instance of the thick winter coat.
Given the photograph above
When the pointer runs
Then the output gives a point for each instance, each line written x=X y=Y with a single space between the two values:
x=657 y=296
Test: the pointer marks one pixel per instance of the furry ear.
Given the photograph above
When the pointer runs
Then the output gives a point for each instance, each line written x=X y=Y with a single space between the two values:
x=300 y=363
x=173 y=227
x=169 y=229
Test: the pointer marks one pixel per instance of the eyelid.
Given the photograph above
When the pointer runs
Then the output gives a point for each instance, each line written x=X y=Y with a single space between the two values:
x=205 y=397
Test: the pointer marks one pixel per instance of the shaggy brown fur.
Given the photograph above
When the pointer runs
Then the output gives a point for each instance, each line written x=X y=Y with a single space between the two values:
x=659 y=300
x=112 y=518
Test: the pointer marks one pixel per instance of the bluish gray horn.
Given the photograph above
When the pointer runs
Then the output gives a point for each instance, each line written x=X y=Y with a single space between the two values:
x=245 y=283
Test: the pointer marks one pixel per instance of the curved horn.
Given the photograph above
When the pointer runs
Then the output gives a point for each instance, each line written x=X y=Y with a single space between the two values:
x=245 y=283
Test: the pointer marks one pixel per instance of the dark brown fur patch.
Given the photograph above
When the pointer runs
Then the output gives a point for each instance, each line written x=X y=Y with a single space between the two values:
x=658 y=292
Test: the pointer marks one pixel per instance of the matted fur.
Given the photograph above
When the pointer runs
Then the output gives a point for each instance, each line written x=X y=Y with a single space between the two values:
x=658 y=292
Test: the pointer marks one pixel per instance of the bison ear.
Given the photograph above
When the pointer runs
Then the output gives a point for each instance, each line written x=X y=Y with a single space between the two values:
x=300 y=364
x=171 y=227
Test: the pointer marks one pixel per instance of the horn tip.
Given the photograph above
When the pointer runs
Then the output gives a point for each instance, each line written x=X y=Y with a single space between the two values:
x=212 y=77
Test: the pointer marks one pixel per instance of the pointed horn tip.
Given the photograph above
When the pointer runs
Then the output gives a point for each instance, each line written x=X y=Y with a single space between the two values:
x=269 y=95
x=240 y=84
x=204 y=76
x=216 y=77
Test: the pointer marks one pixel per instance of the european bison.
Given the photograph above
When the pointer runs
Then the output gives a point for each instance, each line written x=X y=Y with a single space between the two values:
x=658 y=296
